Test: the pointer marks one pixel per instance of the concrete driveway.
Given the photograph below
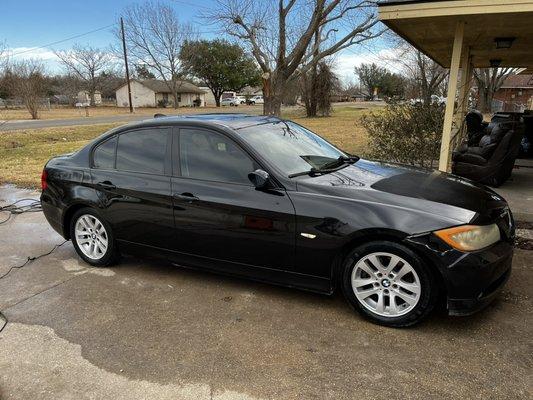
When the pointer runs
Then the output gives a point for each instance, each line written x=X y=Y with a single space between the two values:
x=147 y=329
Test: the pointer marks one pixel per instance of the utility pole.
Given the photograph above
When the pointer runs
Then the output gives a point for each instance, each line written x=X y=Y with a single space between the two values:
x=126 y=63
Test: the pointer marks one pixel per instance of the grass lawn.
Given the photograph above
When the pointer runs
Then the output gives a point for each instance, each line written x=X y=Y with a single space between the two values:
x=23 y=153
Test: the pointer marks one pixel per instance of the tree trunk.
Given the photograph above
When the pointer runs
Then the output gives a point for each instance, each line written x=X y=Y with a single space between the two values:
x=485 y=100
x=176 y=102
x=426 y=92
x=272 y=95
x=32 y=106
x=312 y=105
x=272 y=106
x=92 y=99
x=217 y=94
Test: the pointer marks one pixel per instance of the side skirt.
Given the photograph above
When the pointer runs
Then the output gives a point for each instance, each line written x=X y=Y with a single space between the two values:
x=257 y=273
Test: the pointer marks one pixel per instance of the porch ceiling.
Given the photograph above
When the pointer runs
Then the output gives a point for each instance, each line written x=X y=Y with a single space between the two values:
x=430 y=27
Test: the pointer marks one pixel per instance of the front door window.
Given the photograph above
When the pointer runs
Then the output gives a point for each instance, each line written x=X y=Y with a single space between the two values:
x=213 y=157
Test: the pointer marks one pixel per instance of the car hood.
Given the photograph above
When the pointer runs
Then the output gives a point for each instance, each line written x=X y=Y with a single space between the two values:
x=426 y=191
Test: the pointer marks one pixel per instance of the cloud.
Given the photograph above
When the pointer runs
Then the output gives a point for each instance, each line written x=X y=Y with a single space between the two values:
x=46 y=55
x=18 y=53
x=346 y=61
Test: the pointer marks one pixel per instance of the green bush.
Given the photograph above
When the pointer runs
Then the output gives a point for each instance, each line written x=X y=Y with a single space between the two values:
x=409 y=134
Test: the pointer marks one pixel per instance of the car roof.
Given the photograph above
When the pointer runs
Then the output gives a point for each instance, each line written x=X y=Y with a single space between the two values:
x=229 y=120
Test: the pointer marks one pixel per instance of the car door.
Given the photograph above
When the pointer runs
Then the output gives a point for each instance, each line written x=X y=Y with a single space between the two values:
x=218 y=213
x=131 y=173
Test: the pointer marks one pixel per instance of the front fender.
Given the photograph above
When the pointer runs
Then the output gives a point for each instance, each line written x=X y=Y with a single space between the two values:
x=326 y=225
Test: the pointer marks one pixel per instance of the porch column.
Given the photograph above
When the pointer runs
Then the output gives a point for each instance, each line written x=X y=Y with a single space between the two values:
x=444 y=159
x=464 y=92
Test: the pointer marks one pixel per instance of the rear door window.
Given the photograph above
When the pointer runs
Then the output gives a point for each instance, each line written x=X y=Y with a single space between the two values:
x=142 y=151
x=104 y=154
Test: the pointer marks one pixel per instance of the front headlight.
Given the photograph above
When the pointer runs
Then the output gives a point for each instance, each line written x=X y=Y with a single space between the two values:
x=470 y=237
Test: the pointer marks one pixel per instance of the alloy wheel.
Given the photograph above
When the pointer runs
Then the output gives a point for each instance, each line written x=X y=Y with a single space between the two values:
x=386 y=284
x=91 y=236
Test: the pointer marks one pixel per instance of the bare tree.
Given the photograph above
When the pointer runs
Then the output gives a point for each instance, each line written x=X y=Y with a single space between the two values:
x=317 y=88
x=154 y=37
x=425 y=75
x=488 y=81
x=289 y=37
x=3 y=88
x=4 y=57
x=88 y=64
x=28 y=83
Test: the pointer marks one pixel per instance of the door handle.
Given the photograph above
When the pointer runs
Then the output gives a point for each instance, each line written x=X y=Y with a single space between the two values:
x=106 y=185
x=186 y=196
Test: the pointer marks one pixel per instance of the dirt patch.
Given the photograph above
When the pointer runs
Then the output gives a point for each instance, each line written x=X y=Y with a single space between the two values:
x=12 y=144
x=523 y=243
x=524 y=225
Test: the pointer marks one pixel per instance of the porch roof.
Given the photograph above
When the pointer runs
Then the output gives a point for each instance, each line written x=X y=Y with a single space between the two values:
x=430 y=25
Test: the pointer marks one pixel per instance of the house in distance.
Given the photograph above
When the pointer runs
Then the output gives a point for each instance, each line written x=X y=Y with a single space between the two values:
x=155 y=93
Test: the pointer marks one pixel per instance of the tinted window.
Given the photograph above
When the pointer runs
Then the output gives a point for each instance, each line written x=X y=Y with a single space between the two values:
x=211 y=156
x=104 y=154
x=142 y=151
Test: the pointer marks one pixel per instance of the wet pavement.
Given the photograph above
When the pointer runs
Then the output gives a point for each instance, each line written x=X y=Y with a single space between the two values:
x=147 y=329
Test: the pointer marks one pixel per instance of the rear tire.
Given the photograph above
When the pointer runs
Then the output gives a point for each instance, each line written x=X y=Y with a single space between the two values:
x=93 y=238
x=388 y=284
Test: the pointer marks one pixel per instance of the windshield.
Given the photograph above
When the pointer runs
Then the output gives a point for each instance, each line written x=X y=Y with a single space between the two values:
x=290 y=147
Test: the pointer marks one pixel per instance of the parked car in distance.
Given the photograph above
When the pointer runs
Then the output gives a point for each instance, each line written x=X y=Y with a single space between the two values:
x=265 y=198
x=241 y=99
x=436 y=100
x=256 y=100
x=230 y=101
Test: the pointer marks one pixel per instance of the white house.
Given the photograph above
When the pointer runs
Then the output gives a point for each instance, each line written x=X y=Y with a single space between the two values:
x=153 y=92
x=85 y=97
x=209 y=97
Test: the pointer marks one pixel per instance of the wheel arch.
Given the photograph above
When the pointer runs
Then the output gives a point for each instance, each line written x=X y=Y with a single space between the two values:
x=379 y=234
x=69 y=212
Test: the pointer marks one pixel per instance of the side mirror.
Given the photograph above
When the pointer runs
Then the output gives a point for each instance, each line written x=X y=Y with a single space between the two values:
x=259 y=178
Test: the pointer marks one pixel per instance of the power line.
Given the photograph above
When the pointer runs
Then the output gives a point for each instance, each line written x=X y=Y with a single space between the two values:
x=186 y=3
x=60 y=41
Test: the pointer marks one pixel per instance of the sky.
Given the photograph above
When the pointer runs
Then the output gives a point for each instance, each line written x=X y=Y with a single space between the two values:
x=28 y=24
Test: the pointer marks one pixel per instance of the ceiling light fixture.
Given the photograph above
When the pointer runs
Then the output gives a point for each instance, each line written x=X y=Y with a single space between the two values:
x=504 y=42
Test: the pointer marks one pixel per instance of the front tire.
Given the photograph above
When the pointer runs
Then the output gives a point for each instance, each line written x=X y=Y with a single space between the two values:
x=93 y=238
x=388 y=284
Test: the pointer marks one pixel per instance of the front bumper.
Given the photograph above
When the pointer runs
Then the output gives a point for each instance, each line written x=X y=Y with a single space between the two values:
x=472 y=280
x=468 y=306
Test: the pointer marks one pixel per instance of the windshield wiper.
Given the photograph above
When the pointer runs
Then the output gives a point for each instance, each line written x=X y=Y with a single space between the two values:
x=340 y=162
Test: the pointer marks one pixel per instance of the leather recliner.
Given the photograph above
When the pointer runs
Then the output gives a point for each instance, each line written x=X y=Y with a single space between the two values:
x=475 y=127
x=492 y=160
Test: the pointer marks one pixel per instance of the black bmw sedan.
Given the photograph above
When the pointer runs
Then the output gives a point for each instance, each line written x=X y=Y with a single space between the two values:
x=267 y=199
